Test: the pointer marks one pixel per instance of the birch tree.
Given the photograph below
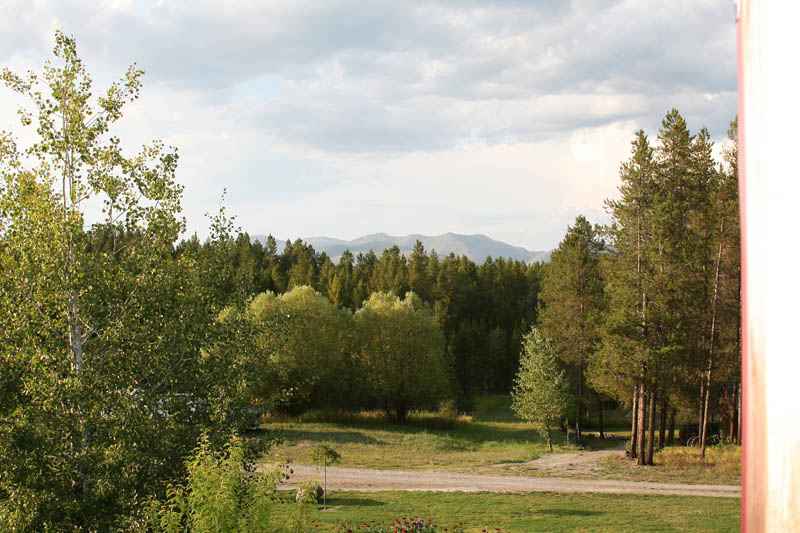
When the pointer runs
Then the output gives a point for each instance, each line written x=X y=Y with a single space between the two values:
x=104 y=383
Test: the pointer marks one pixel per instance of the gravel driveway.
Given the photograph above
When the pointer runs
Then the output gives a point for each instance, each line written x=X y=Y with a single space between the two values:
x=362 y=479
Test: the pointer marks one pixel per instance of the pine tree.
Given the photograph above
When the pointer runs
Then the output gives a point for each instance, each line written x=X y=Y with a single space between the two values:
x=419 y=279
x=625 y=355
x=572 y=302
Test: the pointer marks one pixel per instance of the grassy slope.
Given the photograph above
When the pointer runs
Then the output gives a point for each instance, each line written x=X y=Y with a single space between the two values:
x=528 y=512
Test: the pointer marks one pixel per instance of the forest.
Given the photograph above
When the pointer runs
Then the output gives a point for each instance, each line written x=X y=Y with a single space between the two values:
x=481 y=310
x=126 y=347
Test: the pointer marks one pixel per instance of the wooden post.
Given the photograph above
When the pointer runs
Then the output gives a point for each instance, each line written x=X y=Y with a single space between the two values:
x=768 y=115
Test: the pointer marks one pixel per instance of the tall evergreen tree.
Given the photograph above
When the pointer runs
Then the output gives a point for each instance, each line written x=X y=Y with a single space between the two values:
x=572 y=303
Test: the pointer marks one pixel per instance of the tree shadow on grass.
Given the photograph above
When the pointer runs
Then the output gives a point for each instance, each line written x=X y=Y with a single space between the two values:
x=347 y=501
x=569 y=512
x=293 y=436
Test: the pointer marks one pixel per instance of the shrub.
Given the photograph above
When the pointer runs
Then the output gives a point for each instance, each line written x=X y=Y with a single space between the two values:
x=223 y=492
x=310 y=492
x=448 y=410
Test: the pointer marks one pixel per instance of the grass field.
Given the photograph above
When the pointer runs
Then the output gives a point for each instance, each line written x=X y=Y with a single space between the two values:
x=492 y=440
x=372 y=443
x=428 y=441
x=526 y=512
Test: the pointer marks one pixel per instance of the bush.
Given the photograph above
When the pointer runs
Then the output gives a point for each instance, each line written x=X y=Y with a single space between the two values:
x=310 y=492
x=223 y=492
x=448 y=410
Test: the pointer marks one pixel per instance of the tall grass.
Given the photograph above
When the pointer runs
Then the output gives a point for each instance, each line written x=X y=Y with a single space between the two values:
x=724 y=458
x=374 y=419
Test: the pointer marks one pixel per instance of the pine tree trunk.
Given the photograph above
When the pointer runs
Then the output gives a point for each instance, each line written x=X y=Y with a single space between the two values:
x=651 y=426
x=579 y=405
x=732 y=415
x=700 y=406
x=739 y=418
x=634 y=419
x=671 y=433
x=662 y=425
x=640 y=434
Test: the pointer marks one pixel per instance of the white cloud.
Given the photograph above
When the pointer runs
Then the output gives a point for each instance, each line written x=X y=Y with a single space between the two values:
x=345 y=117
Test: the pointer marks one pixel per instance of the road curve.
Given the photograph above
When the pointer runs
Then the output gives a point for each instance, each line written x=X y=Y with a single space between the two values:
x=368 y=480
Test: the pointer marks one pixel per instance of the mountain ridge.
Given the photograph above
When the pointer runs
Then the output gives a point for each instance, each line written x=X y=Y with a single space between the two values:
x=477 y=247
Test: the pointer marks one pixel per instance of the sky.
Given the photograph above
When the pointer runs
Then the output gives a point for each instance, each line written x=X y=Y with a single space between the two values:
x=344 y=118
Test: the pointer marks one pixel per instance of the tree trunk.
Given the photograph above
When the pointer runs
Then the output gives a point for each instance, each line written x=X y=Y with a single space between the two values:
x=75 y=332
x=651 y=426
x=709 y=365
x=700 y=406
x=704 y=432
x=600 y=420
x=739 y=419
x=734 y=408
x=634 y=419
x=662 y=425
x=640 y=434
x=401 y=414
x=671 y=432
x=579 y=405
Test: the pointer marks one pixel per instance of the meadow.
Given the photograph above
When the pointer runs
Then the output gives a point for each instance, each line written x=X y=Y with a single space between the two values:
x=484 y=512
x=491 y=440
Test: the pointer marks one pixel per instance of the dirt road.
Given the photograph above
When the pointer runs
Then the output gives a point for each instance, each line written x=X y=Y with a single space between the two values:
x=571 y=464
x=358 y=479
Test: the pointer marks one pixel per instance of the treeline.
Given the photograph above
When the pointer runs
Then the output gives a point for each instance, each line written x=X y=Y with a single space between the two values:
x=646 y=309
x=483 y=310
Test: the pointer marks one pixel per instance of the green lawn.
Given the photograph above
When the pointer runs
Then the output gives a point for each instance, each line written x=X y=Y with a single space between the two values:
x=526 y=512
x=464 y=447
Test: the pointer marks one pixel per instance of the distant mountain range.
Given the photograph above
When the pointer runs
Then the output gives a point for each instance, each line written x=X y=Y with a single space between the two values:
x=476 y=247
